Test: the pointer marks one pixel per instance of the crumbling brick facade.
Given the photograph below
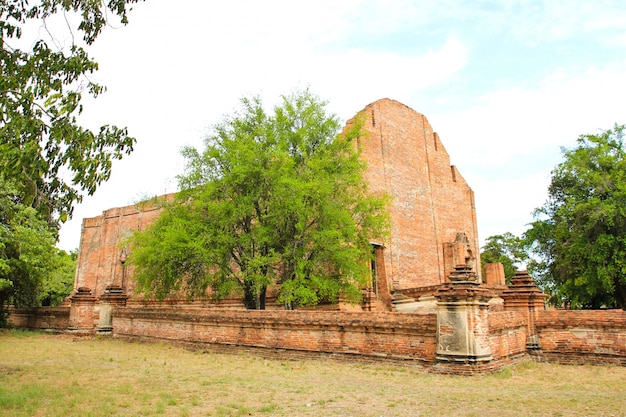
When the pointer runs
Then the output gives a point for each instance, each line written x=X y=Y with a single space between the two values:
x=432 y=214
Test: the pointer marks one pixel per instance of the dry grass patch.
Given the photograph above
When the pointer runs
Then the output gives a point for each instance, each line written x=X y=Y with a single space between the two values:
x=46 y=375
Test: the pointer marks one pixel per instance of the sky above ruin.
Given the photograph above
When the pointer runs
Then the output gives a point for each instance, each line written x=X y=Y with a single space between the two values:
x=504 y=83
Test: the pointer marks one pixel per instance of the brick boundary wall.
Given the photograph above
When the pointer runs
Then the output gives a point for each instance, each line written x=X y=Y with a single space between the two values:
x=410 y=338
x=583 y=336
x=507 y=334
x=41 y=318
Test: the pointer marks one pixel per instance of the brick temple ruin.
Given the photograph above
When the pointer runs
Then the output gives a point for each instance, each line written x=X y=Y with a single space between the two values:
x=433 y=215
x=428 y=303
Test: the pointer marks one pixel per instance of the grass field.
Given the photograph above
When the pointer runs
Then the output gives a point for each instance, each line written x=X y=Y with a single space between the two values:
x=48 y=375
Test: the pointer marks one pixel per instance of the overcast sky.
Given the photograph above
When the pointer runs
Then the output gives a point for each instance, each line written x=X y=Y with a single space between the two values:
x=504 y=83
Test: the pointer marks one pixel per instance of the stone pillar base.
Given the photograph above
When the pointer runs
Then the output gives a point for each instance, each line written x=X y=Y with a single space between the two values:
x=463 y=320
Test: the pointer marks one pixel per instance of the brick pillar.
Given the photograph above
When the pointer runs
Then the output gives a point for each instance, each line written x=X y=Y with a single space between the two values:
x=113 y=297
x=462 y=319
x=494 y=274
x=524 y=296
x=82 y=304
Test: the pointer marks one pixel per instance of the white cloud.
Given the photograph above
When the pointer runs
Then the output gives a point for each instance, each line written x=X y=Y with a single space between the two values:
x=506 y=205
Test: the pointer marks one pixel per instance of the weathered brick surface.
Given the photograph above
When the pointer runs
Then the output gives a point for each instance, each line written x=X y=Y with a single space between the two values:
x=594 y=337
x=494 y=274
x=463 y=323
x=583 y=336
x=41 y=318
x=507 y=334
x=407 y=337
x=432 y=203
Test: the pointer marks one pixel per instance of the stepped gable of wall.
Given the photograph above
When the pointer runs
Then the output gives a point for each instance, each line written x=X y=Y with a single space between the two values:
x=433 y=214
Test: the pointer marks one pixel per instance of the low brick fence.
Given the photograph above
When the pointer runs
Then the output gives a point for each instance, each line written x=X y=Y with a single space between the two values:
x=40 y=318
x=376 y=336
x=507 y=334
x=583 y=336
x=565 y=336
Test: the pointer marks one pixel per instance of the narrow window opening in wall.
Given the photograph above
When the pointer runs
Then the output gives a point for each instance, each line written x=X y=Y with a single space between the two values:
x=435 y=139
x=453 y=169
x=373 y=119
x=376 y=248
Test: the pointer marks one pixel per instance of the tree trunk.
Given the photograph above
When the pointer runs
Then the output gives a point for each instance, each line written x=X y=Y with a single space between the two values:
x=262 y=294
x=620 y=294
x=251 y=299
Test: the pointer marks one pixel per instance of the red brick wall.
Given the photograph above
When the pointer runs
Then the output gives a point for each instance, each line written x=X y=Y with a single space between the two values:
x=596 y=337
x=409 y=337
x=431 y=200
x=507 y=334
x=583 y=336
x=41 y=318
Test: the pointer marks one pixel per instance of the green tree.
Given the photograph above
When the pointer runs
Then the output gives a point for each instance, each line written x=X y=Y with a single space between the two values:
x=47 y=159
x=59 y=283
x=27 y=251
x=44 y=151
x=507 y=249
x=274 y=198
x=580 y=232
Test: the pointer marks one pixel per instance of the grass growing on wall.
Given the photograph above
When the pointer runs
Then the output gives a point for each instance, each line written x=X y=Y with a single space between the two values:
x=47 y=375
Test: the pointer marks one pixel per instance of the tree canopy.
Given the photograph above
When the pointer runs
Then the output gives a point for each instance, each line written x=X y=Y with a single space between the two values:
x=27 y=251
x=47 y=159
x=59 y=283
x=33 y=271
x=44 y=151
x=580 y=232
x=274 y=198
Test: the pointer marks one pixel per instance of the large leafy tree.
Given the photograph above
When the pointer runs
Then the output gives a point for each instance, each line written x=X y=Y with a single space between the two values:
x=59 y=282
x=33 y=271
x=27 y=252
x=580 y=232
x=507 y=249
x=273 y=199
x=44 y=151
x=47 y=159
